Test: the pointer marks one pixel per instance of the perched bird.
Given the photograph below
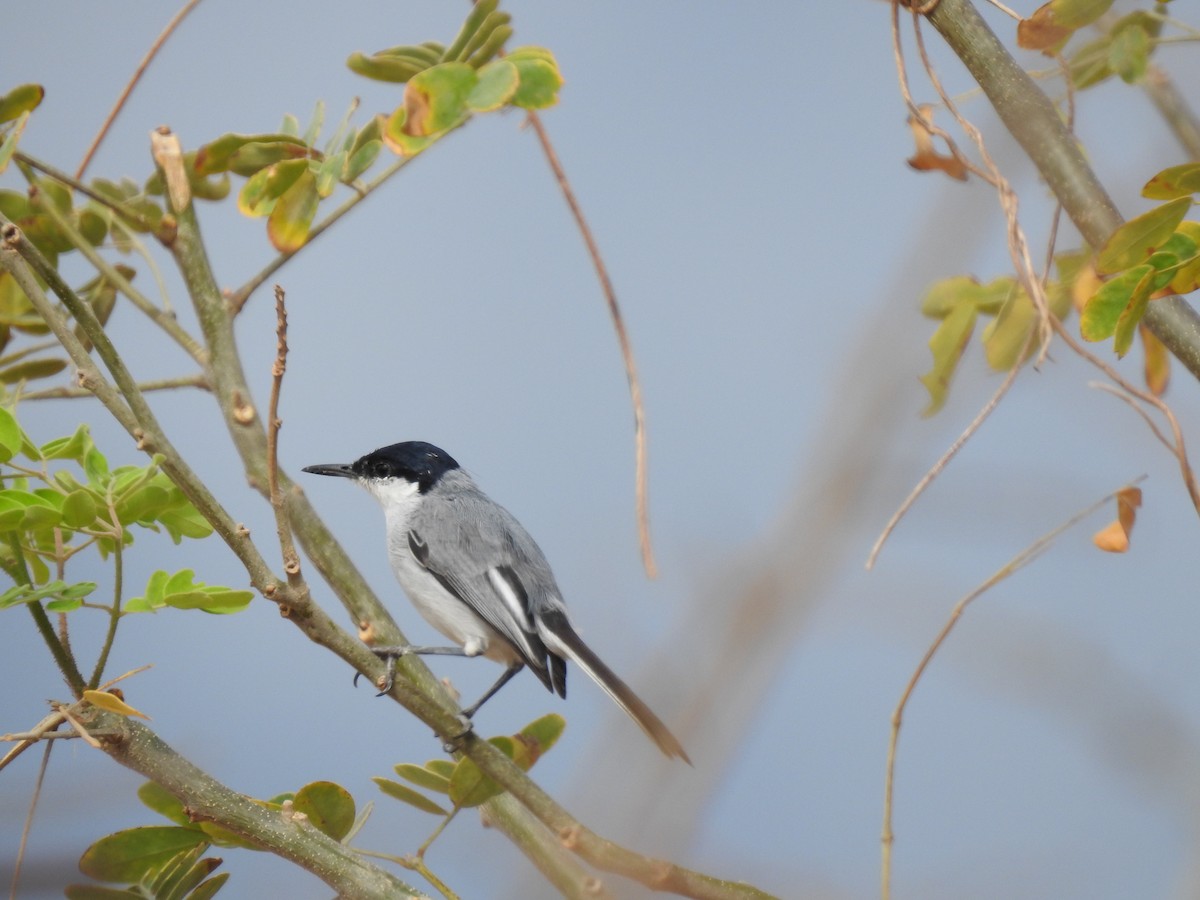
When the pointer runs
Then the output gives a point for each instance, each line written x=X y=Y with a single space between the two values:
x=476 y=575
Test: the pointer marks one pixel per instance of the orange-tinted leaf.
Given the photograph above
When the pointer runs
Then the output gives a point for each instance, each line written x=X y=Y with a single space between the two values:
x=1158 y=362
x=1041 y=31
x=1114 y=538
x=927 y=159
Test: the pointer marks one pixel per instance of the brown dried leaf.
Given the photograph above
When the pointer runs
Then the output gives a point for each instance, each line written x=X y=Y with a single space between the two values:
x=1158 y=362
x=1114 y=538
x=927 y=159
x=1041 y=31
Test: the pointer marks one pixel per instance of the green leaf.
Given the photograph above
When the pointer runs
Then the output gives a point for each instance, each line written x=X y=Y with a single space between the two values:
x=11 y=436
x=360 y=160
x=405 y=794
x=208 y=889
x=1127 y=323
x=536 y=738
x=947 y=345
x=257 y=155
x=1100 y=314
x=482 y=50
x=539 y=75
x=1134 y=241
x=79 y=510
x=424 y=777
x=497 y=83
x=128 y=856
x=185 y=522
x=328 y=806
x=383 y=68
x=469 y=786
x=1129 y=53
x=436 y=99
x=443 y=767
x=293 y=214
x=31 y=369
x=96 y=892
x=21 y=99
x=73 y=447
x=471 y=25
x=218 y=155
x=161 y=801
x=1089 y=64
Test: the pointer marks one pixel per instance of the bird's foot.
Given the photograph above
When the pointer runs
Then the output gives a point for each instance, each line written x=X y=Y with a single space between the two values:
x=453 y=743
x=388 y=655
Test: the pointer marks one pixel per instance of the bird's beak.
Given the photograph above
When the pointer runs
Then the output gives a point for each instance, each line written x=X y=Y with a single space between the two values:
x=344 y=470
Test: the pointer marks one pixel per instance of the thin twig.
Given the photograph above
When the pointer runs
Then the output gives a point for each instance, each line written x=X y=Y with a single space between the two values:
x=160 y=384
x=33 y=802
x=614 y=311
x=137 y=75
x=944 y=460
x=287 y=545
x=1022 y=559
x=114 y=616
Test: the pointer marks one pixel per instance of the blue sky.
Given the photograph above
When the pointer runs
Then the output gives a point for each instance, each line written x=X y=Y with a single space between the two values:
x=743 y=170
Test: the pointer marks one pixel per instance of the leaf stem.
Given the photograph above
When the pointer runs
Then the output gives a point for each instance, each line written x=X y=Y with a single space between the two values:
x=114 y=616
x=62 y=657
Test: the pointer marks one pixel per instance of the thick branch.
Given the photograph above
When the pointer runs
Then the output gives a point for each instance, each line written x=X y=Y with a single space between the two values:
x=1036 y=124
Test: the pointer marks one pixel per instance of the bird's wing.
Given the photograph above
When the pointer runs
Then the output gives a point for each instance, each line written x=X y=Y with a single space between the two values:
x=482 y=556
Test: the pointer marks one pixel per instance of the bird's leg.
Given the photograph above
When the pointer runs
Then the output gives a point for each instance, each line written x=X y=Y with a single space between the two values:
x=390 y=654
x=500 y=682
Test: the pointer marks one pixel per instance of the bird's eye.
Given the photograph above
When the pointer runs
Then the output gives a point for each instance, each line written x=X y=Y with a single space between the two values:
x=381 y=470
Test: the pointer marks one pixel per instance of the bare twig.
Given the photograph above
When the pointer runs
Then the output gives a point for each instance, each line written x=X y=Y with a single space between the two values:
x=614 y=310
x=1026 y=556
x=287 y=545
x=33 y=801
x=137 y=76
x=160 y=384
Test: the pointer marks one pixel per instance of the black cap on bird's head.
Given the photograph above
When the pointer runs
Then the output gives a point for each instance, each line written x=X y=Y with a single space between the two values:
x=421 y=463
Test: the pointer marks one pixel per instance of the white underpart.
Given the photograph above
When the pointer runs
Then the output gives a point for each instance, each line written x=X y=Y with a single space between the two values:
x=441 y=609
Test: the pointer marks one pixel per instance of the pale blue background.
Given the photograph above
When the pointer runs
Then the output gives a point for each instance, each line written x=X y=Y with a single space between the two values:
x=743 y=169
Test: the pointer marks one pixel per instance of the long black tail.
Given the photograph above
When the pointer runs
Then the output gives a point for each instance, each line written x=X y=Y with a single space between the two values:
x=558 y=635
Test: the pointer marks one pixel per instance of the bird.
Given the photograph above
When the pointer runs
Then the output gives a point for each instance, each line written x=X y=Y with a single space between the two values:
x=476 y=575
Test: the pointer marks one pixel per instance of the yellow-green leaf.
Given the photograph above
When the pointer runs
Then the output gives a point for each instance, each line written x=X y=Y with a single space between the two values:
x=1077 y=13
x=1173 y=182
x=127 y=856
x=947 y=345
x=405 y=794
x=424 y=777
x=383 y=68
x=79 y=509
x=1133 y=242
x=328 y=806
x=1128 y=322
x=20 y=100
x=497 y=83
x=540 y=78
x=290 y=220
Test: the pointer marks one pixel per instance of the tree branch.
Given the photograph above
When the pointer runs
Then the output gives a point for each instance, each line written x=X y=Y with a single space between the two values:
x=1034 y=121
x=285 y=834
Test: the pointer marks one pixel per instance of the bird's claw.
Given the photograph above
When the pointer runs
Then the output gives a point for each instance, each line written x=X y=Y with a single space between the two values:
x=453 y=742
x=388 y=655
